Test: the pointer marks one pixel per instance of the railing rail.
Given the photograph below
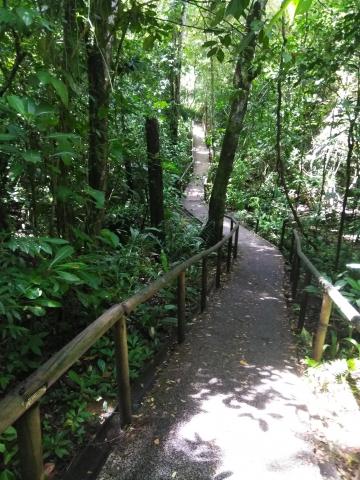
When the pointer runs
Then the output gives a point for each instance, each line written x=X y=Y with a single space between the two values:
x=21 y=405
x=331 y=294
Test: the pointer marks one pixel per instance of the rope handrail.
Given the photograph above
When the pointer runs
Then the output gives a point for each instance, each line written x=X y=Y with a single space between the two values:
x=27 y=394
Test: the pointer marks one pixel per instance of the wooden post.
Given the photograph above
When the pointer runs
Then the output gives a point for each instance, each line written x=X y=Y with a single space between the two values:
x=231 y=224
x=218 y=268
x=291 y=252
x=257 y=225
x=181 y=306
x=203 y=284
x=303 y=303
x=236 y=242
x=28 y=428
x=282 y=237
x=122 y=370
x=295 y=275
x=322 y=327
x=228 y=259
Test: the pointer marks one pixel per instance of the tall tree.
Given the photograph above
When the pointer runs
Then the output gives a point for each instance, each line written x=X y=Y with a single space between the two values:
x=155 y=176
x=175 y=72
x=245 y=73
x=103 y=17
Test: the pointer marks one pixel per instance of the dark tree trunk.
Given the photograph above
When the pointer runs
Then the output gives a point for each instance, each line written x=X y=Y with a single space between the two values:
x=99 y=58
x=243 y=77
x=175 y=77
x=155 y=176
x=71 y=67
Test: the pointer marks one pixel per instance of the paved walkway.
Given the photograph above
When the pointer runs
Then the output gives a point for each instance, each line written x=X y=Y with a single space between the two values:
x=229 y=403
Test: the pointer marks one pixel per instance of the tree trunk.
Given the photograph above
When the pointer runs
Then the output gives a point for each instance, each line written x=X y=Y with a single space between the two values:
x=71 y=67
x=243 y=77
x=351 y=144
x=155 y=176
x=98 y=57
x=175 y=77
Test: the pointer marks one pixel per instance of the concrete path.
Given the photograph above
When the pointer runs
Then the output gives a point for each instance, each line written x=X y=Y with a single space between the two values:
x=229 y=403
x=194 y=194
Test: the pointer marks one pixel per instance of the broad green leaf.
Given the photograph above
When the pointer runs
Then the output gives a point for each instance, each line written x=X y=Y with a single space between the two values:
x=303 y=6
x=226 y=40
x=37 y=311
x=61 y=254
x=209 y=43
x=212 y=51
x=236 y=7
x=55 y=241
x=10 y=433
x=220 y=55
x=68 y=277
x=26 y=15
x=61 y=90
x=96 y=195
x=7 y=475
x=101 y=365
x=74 y=377
x=46 y=302
x=33 y=293
x=148 y=42
x=5 y=137
x=32 y=156
x=17 y=104
x=7 y=17
x=110 y=236
x=218 y=16
x=59 y=86
x=44 y=77
x=161 y=104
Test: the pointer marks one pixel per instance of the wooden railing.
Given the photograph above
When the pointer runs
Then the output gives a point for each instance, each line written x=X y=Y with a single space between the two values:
x=21 y=406
x=330 y=294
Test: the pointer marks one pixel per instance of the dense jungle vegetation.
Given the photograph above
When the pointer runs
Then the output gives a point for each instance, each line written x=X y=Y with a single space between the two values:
x=97 y=99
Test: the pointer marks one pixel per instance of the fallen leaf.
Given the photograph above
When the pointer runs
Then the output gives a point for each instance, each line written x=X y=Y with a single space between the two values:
x=243 y=362
x=156 y=441
x=173 y=474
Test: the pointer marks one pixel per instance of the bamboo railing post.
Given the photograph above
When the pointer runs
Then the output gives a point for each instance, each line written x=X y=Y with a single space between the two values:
x=295 y=275
x=282 y=237
x=322 y=327
x=257 y=225
x=218 y=268
x=292 y=245
x=228 y=258
x=203 y=284
x=122 y=370
x=181 y=306
x=303 y=302
x=236 y=242
x=28 y=428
